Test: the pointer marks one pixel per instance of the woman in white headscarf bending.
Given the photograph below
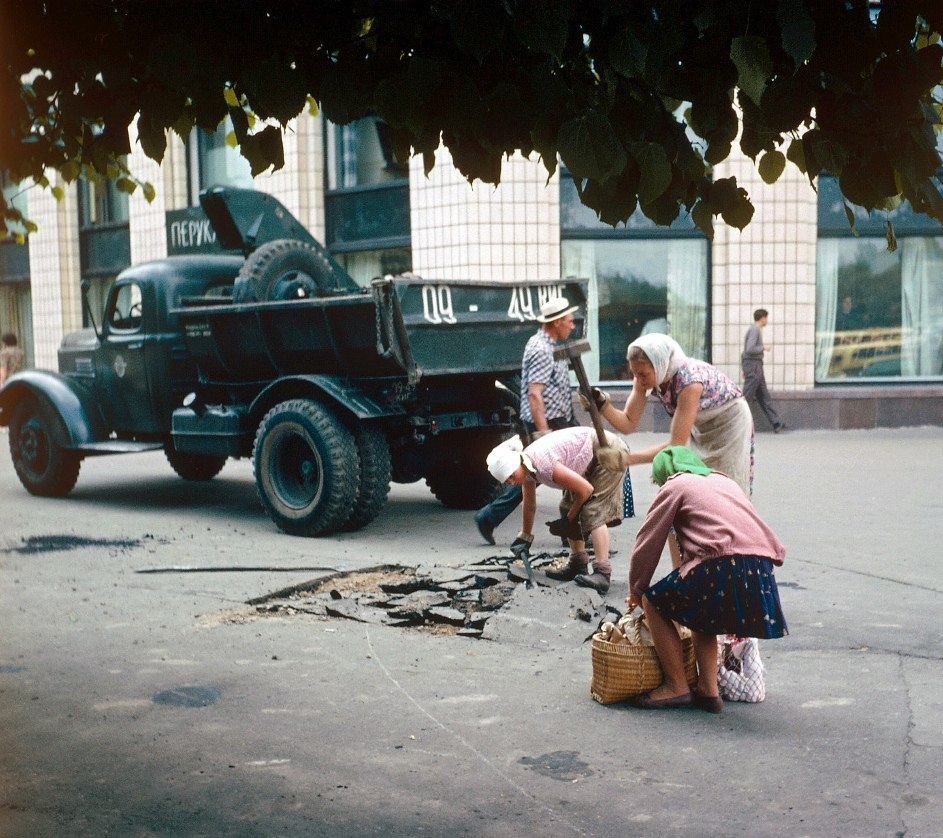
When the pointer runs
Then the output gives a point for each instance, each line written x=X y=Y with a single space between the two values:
x=708 y=410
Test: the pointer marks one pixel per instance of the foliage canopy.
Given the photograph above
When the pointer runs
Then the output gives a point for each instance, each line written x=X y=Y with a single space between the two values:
x=638 y=100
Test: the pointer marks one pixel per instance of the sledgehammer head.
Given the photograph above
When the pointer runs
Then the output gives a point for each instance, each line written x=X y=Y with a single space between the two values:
x=571 y=349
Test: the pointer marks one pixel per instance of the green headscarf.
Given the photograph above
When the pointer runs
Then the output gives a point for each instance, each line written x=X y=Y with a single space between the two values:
x=677 y=458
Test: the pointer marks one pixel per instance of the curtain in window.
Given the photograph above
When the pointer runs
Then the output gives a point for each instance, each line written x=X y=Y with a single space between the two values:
x=687 y=293
x=922 y=307
x=346 y=156
x=579 y=260
x=826 y=304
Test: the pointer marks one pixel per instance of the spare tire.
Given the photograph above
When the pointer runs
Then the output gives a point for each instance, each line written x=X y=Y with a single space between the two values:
x=285 y=269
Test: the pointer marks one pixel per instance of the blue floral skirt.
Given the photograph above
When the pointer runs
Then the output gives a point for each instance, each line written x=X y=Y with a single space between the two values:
x=730 y=595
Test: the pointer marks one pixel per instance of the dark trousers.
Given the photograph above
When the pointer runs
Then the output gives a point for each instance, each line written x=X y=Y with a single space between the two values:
x=505 y=503
x=754 y=387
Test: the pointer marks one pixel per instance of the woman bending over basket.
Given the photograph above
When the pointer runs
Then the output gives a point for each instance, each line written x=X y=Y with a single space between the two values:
x=724 y=585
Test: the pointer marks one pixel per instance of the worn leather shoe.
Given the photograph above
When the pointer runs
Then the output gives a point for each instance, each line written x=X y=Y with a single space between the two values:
x=599 y=582
x=485 y=527
x=646 y=702
x=708 y=703
x=567 y=573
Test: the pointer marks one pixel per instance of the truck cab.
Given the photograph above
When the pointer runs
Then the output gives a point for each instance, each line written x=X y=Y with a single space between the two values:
x=138 y=364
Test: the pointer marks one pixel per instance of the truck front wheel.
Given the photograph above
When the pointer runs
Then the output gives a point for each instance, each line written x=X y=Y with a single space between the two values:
x=193 y=466
x=44 y=467
x=307 y=469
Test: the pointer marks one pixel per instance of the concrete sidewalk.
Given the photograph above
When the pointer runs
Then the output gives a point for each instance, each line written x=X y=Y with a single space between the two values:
x=339 y=728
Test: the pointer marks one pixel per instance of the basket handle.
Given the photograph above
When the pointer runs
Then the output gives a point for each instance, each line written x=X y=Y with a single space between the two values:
x=633 y=622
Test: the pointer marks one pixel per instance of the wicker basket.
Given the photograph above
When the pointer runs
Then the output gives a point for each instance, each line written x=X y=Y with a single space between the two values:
x=621 y=670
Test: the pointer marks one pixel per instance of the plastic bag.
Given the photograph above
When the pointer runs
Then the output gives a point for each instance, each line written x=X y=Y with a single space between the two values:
x=741 y=675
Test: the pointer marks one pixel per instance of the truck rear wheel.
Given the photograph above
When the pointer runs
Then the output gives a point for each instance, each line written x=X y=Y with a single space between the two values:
x=44 y=467
x=375 y=474
x=307 y=470
x=460 y=478
x=193 y=466
x=284 y=269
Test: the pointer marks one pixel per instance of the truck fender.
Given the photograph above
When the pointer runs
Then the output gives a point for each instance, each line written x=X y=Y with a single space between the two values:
x=80 y=422
x=327 y=389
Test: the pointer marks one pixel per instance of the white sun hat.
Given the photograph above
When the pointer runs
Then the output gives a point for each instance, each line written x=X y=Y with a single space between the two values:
x=554 y=309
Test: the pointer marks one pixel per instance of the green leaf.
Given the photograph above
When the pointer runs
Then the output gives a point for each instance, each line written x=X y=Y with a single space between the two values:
x=655 y=171
x=754 y=65
x=822 y=152
x=798 y=30
x=796 y=155
x=541 y=26
x=344 y=96
x=478 y=26
x=70 y=170
x=731 y=201
x=613 y=203
x=58 y=193
x=771 y=166
x=891 y=238
x=263 y=150
x=152 y=137
x=850 y=218
x=740 y=214
x=717 y=152
x=703 y=218
x=275 y=89
x=149 y=192
x=398 y=105
x=126 y=185
x=590 y=148
x=627 y=54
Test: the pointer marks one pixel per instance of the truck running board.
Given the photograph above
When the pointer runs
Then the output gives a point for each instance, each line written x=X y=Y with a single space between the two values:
x=119 y=446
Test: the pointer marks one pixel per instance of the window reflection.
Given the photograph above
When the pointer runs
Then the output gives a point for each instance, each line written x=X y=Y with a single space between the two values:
x=879 y=314
x=638 y=286
x=361 y=154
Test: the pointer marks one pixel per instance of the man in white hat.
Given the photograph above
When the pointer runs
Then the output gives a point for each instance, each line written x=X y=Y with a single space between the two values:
x=592 y=495
x=546 y=401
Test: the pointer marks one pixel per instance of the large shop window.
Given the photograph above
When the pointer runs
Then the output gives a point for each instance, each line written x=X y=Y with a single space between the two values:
x=212 y=161
x=367 y=201
x=642 y=279
x=879 y=314
x=104 y=239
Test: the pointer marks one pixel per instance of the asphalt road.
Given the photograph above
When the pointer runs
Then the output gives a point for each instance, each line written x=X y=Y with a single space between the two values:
x=331 y=727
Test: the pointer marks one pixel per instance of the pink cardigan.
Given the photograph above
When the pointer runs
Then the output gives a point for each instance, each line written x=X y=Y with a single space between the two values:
x=712 y=518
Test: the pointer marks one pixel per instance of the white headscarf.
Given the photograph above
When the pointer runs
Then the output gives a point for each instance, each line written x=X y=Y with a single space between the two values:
x=664 y=352
x=505 y=458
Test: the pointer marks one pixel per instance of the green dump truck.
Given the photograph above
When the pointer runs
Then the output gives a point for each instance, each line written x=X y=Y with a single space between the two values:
x=272 y=351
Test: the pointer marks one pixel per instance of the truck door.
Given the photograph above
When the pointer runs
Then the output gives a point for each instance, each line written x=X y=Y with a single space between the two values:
x=126 y=394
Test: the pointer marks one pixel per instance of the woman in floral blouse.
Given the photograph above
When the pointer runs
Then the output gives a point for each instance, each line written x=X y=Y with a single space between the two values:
x=708 y=410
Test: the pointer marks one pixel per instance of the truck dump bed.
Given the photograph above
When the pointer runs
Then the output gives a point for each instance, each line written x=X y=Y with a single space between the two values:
x=402 y=326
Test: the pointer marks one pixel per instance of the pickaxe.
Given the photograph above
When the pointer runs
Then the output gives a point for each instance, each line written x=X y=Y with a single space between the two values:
x=522 y=552
x=571 y=351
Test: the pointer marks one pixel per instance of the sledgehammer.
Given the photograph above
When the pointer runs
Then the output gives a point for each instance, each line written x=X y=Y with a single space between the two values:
x=571 y=351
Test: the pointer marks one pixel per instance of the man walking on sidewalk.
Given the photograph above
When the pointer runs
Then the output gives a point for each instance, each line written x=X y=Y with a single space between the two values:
x=754 y=379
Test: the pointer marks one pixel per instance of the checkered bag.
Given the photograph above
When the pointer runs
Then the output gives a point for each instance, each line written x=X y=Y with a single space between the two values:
x=741 y=675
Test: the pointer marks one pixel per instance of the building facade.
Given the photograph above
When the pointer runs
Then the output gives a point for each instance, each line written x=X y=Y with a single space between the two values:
x=856 y=329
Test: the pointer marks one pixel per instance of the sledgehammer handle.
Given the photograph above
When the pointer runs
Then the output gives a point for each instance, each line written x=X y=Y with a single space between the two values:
x=577 y=363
